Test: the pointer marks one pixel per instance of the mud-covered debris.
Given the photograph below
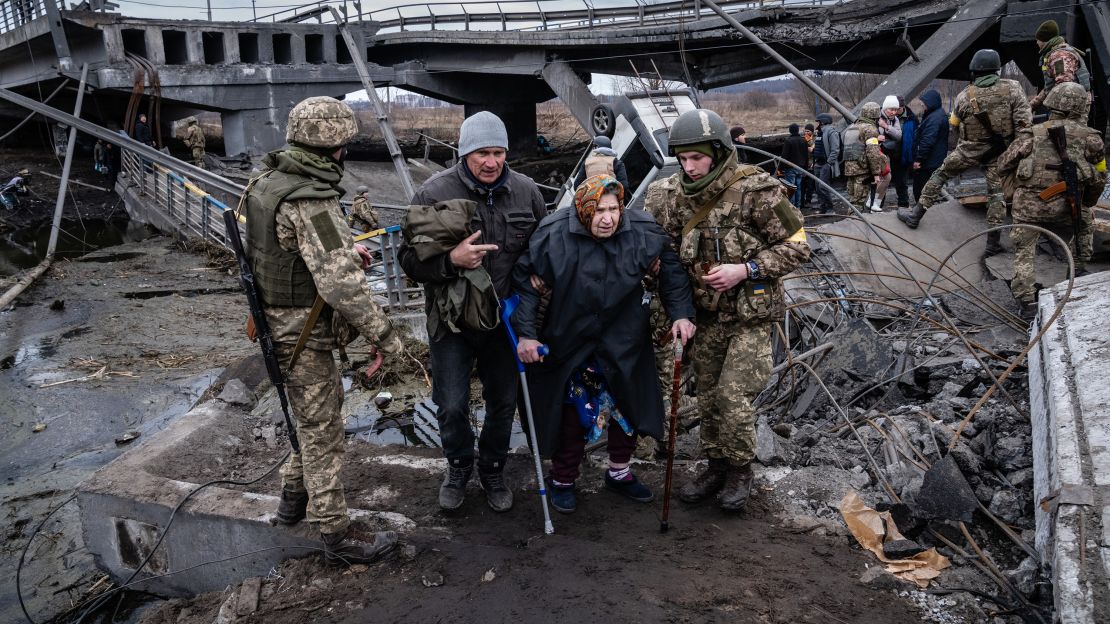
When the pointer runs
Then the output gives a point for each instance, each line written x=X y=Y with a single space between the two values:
x=127 y=438
x=432 y=579
x=770 y=448
x=39 y=427
x=383 y=398
x=58 y=305
x=489 y=576
x=945 y=493
x=901 y=549
x=235 y=392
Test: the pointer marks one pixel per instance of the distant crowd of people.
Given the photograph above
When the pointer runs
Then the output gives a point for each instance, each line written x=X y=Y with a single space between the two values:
x=888 y=145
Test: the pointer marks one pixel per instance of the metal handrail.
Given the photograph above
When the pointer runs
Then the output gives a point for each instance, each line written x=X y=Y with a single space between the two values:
x=16 y=13
x=636 y=13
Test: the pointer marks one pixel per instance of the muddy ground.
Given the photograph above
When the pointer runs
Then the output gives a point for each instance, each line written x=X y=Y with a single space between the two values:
x=122 y=340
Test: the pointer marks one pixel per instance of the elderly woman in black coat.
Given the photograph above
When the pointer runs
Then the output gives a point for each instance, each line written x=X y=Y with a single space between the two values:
x=600 y=373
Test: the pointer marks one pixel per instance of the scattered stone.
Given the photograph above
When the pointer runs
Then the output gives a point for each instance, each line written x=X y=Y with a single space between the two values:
x=877 y=577
x=1022 y=478
x=945 y=493
x=950 y=390
x=967 y=460
x=1012 y=452
x=321 y=583
x=383 y=398
x=269 y=436
x=58 y=305
x=408 y=552
x=489 y=576
x=1024 y=577
x=434 y=579
x=1009 y=506
x=127 y=438
x=38 y=428
x=901 y=549
x=235 y=392
x=358 y=568
x=249 y=591
x=785 y=430
x=769 y=447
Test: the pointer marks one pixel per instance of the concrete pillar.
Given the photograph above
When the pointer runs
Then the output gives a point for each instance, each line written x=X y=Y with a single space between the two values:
x=254 y=131
x=296 y=42
x=194 y=44
x=155 y=48
x=520 y=121
x=265 y=48
x=329 y=49
x=231 y=48
x=113 y=44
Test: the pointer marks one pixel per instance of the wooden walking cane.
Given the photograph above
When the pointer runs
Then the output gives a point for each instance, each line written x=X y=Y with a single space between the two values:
x=675 y=391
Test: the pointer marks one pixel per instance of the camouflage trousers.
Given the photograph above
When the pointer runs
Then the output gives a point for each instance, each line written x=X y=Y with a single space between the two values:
x=958 y=161
x=733 y=364
x=1025 y=250
x=859 y=191
x=316 y=398
x=198 y=157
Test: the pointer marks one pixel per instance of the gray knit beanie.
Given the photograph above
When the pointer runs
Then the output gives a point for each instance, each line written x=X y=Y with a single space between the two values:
x=483 y=129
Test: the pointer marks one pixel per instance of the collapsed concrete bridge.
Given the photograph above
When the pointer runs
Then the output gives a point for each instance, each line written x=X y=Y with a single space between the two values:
x=253 y=72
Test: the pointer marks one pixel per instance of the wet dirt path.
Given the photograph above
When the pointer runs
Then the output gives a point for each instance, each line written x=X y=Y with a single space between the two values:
x=120 y=341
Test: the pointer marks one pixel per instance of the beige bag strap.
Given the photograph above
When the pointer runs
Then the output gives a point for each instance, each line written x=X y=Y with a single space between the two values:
x=306 y=331
x=703 y=212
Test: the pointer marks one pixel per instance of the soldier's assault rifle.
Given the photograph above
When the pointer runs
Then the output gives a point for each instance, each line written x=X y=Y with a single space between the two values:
x=261 y=328
x=1070 y=182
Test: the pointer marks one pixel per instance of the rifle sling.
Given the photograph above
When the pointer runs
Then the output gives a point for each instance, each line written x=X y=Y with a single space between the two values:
x=306 y=331
x=703 y=212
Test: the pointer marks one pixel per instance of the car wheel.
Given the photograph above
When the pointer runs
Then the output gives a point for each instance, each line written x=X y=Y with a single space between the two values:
x=603 y=120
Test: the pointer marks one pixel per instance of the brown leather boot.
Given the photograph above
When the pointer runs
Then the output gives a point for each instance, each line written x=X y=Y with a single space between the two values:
x=737 y=488
x=293 y=506
x=707 y=483
x=347 y=548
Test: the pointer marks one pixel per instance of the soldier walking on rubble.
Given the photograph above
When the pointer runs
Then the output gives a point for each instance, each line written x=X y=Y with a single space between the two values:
x=989 y=114
x=737 y=235
x=299 y=247
x=363 y=217
x=1060 y=63
x=194 y=140
x=1041 y=199
x=864 y=164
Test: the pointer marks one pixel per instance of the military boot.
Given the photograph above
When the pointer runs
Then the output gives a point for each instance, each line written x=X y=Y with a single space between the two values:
x=737 y=488
x=994 y=244
x=912 y=217
x=452 y=492
x=293 y=506
x=349 y=547
x=707 y=483
x=498 y=495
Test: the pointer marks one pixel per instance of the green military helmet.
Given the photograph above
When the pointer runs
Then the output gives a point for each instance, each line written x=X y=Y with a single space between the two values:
x=1069 y=99
x=870 y=111
x=361 y=189
x=696 y=127
x=985 y=61
x=321 y=121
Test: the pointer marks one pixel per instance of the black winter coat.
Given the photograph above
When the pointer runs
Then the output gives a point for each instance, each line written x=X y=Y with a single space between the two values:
x=796 y=150
x=597 y=309
x=931 y=140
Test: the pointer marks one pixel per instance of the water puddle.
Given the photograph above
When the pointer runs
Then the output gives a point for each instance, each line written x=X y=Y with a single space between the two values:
x=25 y=247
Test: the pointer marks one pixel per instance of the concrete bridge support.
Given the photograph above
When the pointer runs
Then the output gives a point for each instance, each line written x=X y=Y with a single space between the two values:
x=256 y=130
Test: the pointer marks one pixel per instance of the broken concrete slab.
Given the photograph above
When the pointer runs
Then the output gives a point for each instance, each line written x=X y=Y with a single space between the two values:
x=945 y=493
x=235 y=392
x=1070 y=407
x=125 y=506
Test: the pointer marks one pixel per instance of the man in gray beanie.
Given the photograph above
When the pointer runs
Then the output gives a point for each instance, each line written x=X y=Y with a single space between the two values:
x=509 y=206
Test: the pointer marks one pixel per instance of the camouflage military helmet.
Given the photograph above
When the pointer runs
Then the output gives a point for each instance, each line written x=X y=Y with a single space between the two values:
x=1068 y=98
x=321 y=121
x=361 y=189
x=698 y=126
x=191 y=120
x=985 y=61
x=870 y=110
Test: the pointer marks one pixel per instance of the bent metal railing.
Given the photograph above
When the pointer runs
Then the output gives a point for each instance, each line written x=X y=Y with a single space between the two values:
x=527 y=14
x=196 y=212
x=15 y=13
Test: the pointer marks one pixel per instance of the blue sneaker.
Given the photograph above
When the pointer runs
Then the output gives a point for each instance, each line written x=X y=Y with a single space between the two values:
x=562 y=497
x=630 y=488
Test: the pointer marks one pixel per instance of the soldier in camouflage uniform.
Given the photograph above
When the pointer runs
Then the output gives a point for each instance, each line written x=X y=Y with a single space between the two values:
x=1036 y=162
x=194 y=140
x=299 y=248
x=1060 y=63
x=1003 y=102
x=864 y=162
x=737 y=235
x=363 y=217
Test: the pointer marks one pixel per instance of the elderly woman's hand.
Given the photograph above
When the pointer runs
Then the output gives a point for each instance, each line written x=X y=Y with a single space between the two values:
x=726 y=276
x=540 y=286
x=683 y=330
x=528 y=350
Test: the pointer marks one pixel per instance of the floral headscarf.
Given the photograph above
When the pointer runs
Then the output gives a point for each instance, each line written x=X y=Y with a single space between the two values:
x=589 y=194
